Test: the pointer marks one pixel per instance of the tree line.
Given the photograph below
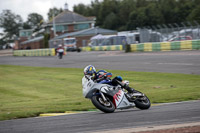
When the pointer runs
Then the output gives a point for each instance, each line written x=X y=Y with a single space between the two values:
x=129 y=14
x=11 y=23
x=118 y=15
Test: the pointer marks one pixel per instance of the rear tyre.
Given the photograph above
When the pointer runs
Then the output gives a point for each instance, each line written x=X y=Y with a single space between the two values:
x=142 y=102
x=107 y=107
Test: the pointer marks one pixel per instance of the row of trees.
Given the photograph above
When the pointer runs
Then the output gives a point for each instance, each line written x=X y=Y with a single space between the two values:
x=11 y=23
x=130 y=14
x=111 y=14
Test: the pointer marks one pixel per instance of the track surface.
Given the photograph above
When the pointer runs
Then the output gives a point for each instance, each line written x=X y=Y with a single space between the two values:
x=175 y=113
x=187 y=62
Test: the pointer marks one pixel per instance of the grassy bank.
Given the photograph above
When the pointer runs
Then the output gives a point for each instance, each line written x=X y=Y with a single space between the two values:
x=29 y=91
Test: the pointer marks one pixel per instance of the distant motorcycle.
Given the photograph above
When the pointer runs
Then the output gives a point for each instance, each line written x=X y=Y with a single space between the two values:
x=107 y=98
x=60 y=52
x=60 y=55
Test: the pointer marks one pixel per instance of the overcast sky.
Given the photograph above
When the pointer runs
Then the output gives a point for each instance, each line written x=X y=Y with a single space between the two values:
x=25 y=7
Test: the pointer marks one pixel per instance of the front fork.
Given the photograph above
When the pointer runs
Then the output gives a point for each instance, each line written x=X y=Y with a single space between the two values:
x=102 y=95
x=104 y=98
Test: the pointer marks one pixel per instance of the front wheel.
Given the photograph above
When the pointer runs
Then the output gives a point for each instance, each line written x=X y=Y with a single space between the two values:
x=60 y=55
x=107 y=107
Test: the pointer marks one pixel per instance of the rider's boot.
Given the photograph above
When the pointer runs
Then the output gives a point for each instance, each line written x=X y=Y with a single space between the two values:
x=132 y=92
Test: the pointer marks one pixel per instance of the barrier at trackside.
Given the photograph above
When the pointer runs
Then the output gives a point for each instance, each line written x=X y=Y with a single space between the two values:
x=165 y=46
x=86 y=49
x=103 y=48
x=35 y=52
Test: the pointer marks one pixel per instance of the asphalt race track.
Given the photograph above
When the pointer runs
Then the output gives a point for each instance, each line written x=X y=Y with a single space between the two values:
x=166 y=114
x=187 y=62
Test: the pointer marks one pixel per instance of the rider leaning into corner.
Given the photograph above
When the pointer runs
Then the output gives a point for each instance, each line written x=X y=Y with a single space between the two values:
x=104 y=77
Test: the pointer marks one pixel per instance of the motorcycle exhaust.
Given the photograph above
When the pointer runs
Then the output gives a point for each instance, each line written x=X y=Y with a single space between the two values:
x=137 y=94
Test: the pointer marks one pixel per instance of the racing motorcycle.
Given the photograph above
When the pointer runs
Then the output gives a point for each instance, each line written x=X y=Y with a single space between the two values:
x=107 y=98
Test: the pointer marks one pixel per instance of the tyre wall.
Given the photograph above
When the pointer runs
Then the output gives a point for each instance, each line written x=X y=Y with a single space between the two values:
x=103 y=48
x=35 y=52
x=165 y=46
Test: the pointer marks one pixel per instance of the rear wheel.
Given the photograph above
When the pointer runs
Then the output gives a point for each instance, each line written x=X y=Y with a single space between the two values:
x=107 y=107
x=142 y=102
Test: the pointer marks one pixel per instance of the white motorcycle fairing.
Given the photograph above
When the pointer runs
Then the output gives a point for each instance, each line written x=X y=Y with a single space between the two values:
x=119 y=99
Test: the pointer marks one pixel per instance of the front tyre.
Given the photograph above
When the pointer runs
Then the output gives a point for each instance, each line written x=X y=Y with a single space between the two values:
x=60 y=55
x=142 y=102
x=107 y=107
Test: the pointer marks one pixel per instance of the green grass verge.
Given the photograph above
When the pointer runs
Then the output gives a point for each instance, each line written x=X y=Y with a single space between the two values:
x=29 y=91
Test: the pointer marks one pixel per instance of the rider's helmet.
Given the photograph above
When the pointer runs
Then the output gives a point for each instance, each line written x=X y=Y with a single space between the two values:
x=89 y=70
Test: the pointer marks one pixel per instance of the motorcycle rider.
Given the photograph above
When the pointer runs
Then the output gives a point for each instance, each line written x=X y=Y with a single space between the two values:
x=103 y=77
x=60 y=51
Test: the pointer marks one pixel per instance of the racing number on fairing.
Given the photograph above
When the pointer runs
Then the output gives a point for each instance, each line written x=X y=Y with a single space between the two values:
x=89 y=85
